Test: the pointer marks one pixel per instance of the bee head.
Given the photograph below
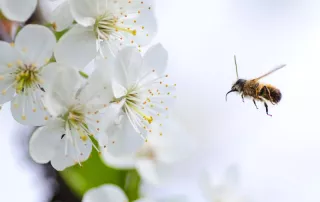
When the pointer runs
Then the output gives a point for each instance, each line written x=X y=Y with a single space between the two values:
x=237 y=86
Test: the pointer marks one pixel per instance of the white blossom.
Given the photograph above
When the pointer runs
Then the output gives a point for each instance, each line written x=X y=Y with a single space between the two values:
x=165 y=146
x=110 y=24
x=113 y=193
x=18 y=10
x=61 y=17
x=140 y=87
x=77 y=112
x=24 y=73
x=225 y=190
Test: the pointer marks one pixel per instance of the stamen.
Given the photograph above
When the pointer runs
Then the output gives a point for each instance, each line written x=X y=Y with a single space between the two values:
x=133 y=32
x=106 y=27
x=148 y=118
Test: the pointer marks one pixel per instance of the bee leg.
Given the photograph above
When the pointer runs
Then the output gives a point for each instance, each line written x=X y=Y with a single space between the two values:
x=242 y=97
x=265 y=104
x=255 y=103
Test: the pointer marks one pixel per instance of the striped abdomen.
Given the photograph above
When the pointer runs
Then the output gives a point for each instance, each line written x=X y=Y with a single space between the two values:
x=268 y=91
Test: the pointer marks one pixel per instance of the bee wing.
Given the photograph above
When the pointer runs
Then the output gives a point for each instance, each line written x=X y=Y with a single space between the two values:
x=270 y=72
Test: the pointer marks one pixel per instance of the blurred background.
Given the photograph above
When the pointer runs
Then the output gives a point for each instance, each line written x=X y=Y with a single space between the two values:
x=277 y=157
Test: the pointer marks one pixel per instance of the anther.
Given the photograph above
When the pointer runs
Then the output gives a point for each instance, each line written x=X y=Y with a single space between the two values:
x=84 y=138
x=148 y=118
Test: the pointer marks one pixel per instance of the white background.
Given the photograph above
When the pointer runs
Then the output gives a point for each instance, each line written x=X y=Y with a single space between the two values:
x=278 y=156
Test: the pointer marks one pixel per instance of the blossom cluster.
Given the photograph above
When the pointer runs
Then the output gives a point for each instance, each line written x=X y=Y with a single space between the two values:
x=92 y=88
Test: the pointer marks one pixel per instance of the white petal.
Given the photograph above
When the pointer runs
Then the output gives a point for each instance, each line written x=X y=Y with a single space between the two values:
x=36 y=43
x=111 y=47
x=173 y=144
x=225 y=189
x=60 y=161
x=28 y=109
x=8 y=58
x=156 y=58
x=118 y=90
x=206 y=185
x=105 y=193
x=109 y=117
x=128 y=66
x=61 y=92
x=178 y=198
x=232 y=176
x=124 y=162
x=8 y=64
x=167 y=199
x=62 y=17
x=86 y=11
x=49 y=72
x=7 y=90
x=122 y=139
x=135 y=5
x=145 y=26
x=99 y=82
x=44 y=140
x=18 y=10
x=77 y=47
x=145 y=200
x=147 y=170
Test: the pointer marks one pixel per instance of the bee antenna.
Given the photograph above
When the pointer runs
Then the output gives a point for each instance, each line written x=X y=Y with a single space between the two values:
x=235 y=62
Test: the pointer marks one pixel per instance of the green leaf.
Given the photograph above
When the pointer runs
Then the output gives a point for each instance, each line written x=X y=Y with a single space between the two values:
x=132 y=184
x=60 y=34
x=94 y=172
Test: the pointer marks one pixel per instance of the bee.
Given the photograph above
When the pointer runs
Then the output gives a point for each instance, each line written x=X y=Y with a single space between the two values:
x=255 y=90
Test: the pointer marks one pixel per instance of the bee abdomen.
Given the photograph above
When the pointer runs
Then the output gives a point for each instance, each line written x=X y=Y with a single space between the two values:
x=275 y=94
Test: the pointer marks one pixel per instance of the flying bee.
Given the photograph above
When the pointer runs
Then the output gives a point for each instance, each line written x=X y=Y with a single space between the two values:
x=255 y=90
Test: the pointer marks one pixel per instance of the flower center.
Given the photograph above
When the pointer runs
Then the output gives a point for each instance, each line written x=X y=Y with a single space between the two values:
x=79 y=125
x=133 y=101
x=147 y=152
x=76 y=118
x=26 y=76
x=106 y=26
